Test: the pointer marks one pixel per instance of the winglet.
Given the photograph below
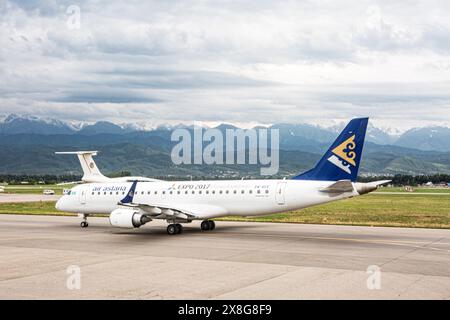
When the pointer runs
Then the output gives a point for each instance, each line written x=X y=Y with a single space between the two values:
x=130 y=195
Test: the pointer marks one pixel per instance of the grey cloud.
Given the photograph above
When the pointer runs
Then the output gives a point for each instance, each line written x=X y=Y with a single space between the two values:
x=224 y=61
x=105 y=97
x=177 y=79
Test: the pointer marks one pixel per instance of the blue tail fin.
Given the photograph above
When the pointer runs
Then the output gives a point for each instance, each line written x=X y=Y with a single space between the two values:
x=130 y=195
x=341 y=161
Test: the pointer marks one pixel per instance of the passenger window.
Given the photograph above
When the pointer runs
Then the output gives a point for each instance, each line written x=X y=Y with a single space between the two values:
x=250 y=191
x=163 y=192
x=142 y=192
x=207 y=192
x=193 y=192
x=170 y=192
x=135 y=192
x=234 y=191
x=156 y=192
x=186 y=192
x=99 y=193
x=213 y=192
x=220 y=192
x=242 y=191
x=200 y=192
x=149 y=192
x=227 y=192
x=92 y=193
x=178 y=192
x=259 y=191
x=267 y=191
x=105 y=193
x=117 y=193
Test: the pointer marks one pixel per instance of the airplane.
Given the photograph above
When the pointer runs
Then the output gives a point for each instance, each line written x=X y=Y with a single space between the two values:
x=134 y=201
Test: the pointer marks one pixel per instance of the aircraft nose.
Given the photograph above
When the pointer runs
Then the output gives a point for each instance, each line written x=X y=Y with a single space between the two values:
x=58 y=204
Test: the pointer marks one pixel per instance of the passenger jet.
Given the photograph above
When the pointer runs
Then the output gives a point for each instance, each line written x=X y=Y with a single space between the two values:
x=134 y=201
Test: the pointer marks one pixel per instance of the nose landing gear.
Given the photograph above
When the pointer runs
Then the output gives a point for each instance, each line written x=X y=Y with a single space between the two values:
x=84 y=223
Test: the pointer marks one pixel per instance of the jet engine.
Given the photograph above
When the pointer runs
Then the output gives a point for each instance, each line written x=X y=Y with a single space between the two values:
x=127 y=218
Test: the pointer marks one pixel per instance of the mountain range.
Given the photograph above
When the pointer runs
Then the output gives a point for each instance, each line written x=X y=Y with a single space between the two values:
x=27 y=145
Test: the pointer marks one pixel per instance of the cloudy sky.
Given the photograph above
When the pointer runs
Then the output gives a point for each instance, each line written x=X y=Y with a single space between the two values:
x=255 y=61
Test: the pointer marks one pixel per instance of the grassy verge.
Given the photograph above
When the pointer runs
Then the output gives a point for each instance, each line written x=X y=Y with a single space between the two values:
x=31 y=208
x=421 y=190
x=425 y=211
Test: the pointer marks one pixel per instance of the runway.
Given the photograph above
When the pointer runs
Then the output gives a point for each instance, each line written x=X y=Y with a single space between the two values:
x=15 y=198
x=235 y=261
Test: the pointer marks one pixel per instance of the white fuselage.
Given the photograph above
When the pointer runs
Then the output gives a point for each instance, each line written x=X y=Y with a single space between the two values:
x=208 y=199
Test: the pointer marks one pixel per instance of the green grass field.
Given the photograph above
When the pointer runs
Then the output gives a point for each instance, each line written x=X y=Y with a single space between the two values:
x=409 y=210
x=31 y=208
x=427 y=211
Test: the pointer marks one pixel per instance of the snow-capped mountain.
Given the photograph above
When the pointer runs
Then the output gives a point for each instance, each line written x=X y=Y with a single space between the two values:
x=428 y=138
x=292 y=135
x=15 y=124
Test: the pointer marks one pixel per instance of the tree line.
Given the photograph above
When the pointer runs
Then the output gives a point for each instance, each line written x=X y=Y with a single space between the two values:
x=399 y=179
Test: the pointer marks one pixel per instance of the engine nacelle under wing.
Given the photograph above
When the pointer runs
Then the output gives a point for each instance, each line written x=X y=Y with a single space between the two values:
x=127 y=218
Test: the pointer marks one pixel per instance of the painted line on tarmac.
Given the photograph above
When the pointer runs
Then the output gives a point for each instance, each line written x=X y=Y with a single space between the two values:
x=370 y=241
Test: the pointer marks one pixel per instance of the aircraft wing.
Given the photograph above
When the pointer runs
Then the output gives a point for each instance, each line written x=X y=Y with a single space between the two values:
x=340 y=186
x=188 y=211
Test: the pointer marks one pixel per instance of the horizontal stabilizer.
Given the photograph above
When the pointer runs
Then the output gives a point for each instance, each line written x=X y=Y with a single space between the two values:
x=340 y=186
x=363 y=188
x=90 y=171
x=94 y=153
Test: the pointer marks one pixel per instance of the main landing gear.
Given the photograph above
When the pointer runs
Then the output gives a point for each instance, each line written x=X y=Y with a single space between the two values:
x=84 y=223
x=174 y=228
x=208 y=225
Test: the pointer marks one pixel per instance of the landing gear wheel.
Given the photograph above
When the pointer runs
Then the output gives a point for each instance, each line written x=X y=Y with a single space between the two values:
x=172 y=229
x=84 y=223
x=207 y=225
x=179 y=228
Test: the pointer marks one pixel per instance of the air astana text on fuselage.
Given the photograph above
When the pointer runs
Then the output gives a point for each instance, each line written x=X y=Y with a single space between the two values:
x=178 y=187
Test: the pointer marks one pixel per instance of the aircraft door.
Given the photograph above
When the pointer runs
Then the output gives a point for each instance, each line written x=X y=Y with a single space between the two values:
x=82 y=193
x=279 y=194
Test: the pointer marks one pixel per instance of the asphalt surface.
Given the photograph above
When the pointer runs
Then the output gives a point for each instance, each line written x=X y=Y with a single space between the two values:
x=235 y=261
x=12 y=198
